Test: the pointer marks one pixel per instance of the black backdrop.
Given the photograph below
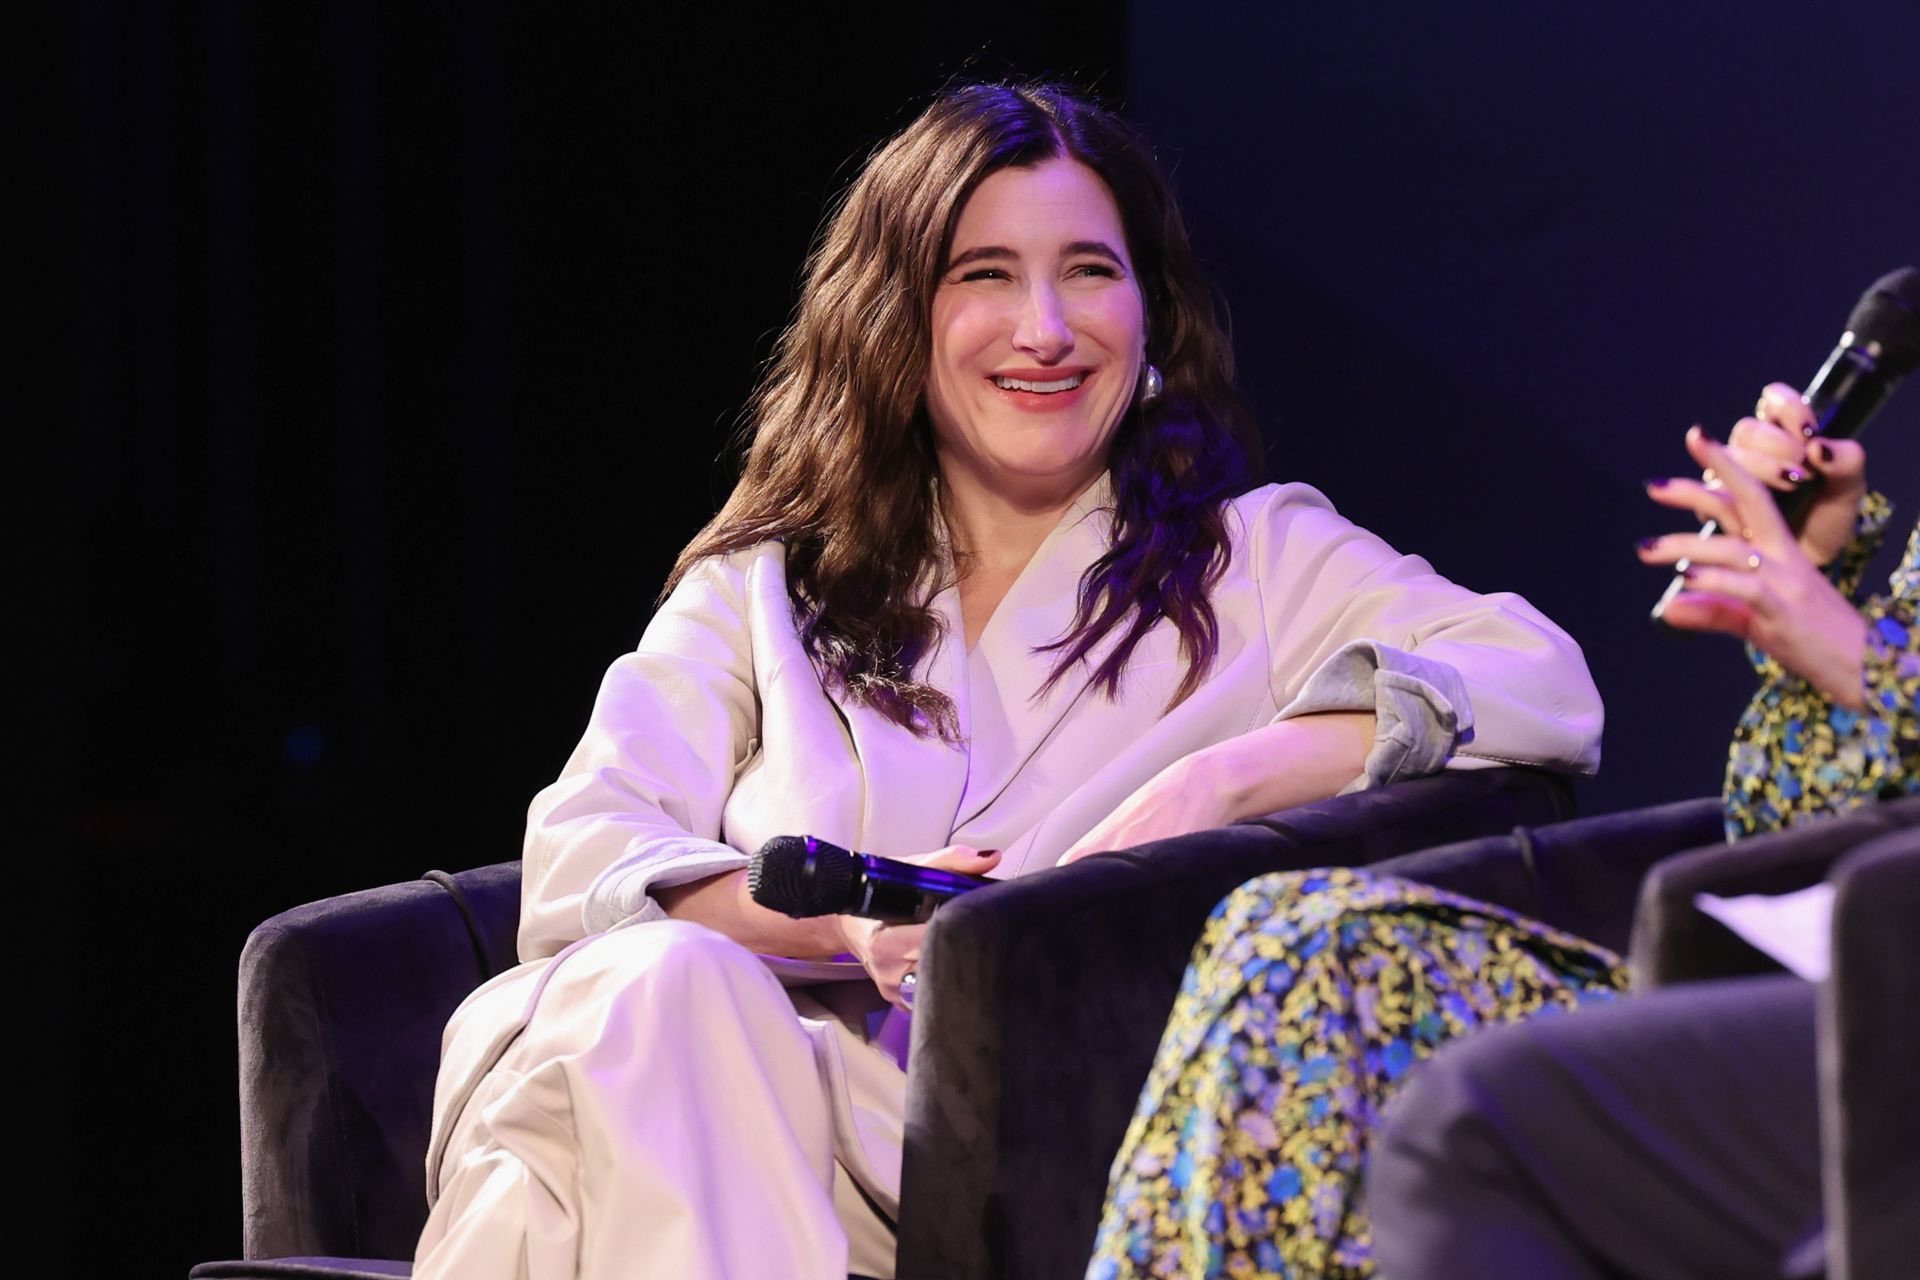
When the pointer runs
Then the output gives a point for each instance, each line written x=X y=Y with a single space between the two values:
x=406 y=342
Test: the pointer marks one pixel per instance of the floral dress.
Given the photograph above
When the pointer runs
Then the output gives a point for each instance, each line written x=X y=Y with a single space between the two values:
x=1794 y=753
x=1312 y=994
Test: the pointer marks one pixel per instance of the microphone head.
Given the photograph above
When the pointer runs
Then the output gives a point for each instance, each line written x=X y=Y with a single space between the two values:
x=800 y=877
x=1889 y=314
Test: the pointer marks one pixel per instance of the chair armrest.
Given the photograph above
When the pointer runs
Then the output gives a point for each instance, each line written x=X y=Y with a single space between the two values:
x=1042 y=1001
x=1674 y=941
x=1870 y=1058
x=342 y=1003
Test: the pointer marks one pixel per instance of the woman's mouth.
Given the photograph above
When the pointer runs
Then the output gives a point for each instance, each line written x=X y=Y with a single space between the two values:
x=1045 y=388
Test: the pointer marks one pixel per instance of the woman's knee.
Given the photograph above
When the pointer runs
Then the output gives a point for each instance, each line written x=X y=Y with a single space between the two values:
x=660 y=972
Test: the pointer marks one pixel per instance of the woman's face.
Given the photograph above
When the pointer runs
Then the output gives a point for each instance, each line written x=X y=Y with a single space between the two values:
x=1039 y=331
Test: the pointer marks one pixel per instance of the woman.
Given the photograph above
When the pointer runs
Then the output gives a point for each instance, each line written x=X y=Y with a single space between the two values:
x=1678 y=1134
x=1314 y=996
x=984 y=585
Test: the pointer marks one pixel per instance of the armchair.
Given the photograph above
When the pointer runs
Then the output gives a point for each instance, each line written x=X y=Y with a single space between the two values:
x=342 y=1003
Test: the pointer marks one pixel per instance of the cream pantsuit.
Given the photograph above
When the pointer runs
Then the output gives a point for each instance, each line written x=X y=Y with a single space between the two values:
x=642 y=1097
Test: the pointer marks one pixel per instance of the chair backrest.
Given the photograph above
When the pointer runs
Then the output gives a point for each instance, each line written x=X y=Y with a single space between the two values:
x=1674 y=941
x=1870 y=1058
x=1581 y=876
x=342 y=1003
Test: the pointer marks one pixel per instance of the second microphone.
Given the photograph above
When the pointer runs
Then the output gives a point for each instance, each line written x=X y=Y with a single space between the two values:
x=800 y=876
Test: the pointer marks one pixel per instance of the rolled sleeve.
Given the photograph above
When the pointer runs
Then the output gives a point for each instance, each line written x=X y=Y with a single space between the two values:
x=1420 y=708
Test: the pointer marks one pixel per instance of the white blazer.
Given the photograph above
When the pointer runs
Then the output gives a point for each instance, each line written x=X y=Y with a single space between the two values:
x=716 y=733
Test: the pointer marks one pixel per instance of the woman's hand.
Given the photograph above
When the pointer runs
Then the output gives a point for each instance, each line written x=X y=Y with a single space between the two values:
x=890 y=951
x=1284 y=764
x=1777 y=446
x=1755 y=580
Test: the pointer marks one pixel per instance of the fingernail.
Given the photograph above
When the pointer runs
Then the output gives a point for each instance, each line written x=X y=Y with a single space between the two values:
x=986 y=853
x=1792 y=475
x=1809 y=431
x=1647 y=544
x=1689 y=572
x=1658 y=482
x=1821 y=454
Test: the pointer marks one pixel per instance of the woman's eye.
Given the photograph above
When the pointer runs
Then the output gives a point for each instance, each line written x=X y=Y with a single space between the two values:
x=1100 y=270
x=984 y=273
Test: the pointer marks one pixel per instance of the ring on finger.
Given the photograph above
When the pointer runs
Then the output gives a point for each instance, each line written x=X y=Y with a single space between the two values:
x=1753 y=561
x=909 y=987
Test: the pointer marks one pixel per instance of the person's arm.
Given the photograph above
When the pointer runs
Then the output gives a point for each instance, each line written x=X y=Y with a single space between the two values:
x=1452 y=677
x=631 y=830
x=1382 y=670
x=1283 y=764
x=640 y=801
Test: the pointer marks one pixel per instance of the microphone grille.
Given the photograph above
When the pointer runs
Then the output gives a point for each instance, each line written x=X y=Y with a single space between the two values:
x=1889 y=314
x=800 y=877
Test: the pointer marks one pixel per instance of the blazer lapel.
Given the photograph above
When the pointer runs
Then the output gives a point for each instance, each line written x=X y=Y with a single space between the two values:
x=1010 y=717
x=914 y=782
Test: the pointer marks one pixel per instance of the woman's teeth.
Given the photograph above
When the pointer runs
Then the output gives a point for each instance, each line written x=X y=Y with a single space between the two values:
x=1021 y=384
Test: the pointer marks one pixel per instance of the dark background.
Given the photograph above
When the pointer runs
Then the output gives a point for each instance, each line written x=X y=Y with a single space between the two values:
x=403 y=346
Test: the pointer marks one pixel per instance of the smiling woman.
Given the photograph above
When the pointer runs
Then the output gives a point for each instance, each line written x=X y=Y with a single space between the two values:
x=1039 y=341
x=993 y=593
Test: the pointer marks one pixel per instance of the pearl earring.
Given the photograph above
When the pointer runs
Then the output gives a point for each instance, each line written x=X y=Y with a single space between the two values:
x=1150 y=386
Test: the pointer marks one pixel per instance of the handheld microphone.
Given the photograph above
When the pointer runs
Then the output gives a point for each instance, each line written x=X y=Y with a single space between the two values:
x=1880 y=346
x=800 y=876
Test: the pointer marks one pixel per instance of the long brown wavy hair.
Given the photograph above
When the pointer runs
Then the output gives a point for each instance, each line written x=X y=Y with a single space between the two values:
x=841 y=466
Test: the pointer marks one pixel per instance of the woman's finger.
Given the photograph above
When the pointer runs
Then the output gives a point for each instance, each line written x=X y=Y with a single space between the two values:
x=1690 y=495
x=1776 y=457
x=960 y=857
x=1698 y=611
x=1755 y=514
x=1725 y=551
x=1742 y=585
x=1786 y=407
x=1842 y=462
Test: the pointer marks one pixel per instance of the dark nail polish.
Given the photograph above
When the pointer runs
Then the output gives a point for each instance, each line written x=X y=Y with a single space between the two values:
x=985 y=853
x=1647 y=544
x=1689 y=573
x=1821 y=454
x=1658 y=482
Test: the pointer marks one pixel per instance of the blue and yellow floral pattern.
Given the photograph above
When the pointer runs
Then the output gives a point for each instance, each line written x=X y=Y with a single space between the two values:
x=1310 y=996
x=1795 y=754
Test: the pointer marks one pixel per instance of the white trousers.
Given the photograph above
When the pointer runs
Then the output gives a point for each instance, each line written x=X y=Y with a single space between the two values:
x=666 y=1111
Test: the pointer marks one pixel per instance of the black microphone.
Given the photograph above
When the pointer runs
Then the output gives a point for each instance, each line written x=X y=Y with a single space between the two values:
x=800 y=876
x=1881 y=345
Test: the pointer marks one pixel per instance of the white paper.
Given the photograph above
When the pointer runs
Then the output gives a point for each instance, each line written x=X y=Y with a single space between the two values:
x=1793 y=928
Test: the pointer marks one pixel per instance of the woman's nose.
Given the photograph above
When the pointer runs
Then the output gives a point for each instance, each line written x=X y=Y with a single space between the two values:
x=1042 y=330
